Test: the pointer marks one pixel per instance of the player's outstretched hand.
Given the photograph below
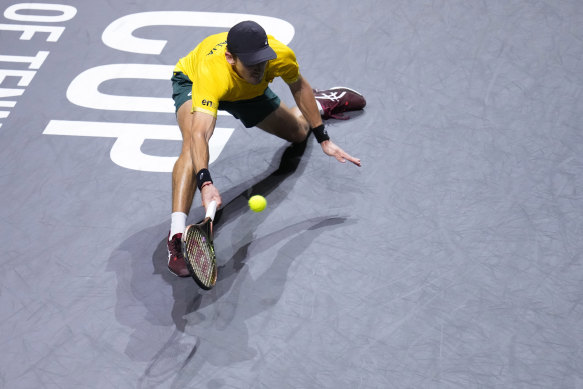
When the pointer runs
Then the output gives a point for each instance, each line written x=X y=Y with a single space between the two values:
x=209 y=193
x=333 y=150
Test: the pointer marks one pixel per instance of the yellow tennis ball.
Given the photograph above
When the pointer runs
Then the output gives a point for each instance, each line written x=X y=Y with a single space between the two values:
x=257 y=203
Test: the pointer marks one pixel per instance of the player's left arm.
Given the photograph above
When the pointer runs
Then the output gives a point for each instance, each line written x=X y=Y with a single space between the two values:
x=304 y=97
x=306 y=102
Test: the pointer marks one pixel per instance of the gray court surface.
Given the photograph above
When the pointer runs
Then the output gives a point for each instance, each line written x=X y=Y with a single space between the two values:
x=450 y=259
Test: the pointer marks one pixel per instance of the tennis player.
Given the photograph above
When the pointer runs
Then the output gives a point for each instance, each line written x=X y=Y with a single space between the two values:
x=232 y=71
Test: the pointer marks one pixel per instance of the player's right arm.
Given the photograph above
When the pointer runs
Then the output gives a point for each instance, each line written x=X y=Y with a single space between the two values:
x=202 y=128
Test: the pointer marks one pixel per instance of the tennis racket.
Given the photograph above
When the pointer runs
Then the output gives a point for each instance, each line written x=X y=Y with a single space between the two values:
x=198 y=249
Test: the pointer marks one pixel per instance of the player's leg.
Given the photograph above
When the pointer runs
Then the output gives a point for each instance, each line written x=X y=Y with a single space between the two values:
x=183 y=174
x=289 y=124
x=183 y=188
x=182 y=180
x=286 y=123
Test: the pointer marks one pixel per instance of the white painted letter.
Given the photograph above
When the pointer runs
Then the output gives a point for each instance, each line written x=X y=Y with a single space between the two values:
x=28 y=31
x=7 y=92
x=84 y=89
x=35 y=62
x=25 y=76
x=67 y=12
x=126 y=151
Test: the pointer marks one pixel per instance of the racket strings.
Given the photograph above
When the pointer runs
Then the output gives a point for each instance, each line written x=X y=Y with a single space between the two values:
x=200 y=254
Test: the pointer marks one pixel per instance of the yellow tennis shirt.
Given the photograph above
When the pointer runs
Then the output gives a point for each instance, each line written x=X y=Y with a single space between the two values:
x=213 y=78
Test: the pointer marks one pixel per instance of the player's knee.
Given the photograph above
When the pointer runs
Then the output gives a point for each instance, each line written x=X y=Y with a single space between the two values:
x=298 y=137
x=301 y=131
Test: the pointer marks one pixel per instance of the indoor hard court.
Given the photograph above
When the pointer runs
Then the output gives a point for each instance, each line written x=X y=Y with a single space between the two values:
x=451 y=259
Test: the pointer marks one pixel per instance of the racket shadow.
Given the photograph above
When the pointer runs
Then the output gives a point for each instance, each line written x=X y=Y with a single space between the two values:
x=305 y=232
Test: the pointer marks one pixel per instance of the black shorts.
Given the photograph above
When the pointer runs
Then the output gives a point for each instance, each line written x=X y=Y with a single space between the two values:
x=250 y=112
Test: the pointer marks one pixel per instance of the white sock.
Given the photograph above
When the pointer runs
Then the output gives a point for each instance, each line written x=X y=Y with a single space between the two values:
x=320 y=107
x=178 y=223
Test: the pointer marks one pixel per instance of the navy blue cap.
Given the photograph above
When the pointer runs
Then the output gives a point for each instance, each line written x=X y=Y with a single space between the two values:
x=248 y=41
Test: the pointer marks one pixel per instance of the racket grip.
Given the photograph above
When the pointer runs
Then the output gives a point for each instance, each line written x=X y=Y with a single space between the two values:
x=211 y=210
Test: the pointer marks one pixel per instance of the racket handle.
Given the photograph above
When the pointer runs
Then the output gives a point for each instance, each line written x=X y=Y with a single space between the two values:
x=211 y=210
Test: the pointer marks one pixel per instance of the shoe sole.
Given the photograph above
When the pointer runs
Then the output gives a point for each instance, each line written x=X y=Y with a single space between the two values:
x=343 y=87
x=177 y=275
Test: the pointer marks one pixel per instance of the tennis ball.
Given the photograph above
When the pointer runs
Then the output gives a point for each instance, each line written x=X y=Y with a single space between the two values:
x=257 y=203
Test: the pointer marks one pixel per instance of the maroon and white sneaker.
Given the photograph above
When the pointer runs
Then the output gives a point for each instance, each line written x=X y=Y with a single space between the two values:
x=339 y=99
x=176 y=262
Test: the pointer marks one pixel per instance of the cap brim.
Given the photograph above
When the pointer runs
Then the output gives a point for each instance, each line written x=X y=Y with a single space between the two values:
x=264 y=54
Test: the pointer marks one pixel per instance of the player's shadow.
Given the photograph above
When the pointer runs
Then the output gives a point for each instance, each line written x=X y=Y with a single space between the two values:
x=162 y=319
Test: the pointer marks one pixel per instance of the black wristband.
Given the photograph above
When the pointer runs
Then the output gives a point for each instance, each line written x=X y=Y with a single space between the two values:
x=320 y=133
x=203 y=176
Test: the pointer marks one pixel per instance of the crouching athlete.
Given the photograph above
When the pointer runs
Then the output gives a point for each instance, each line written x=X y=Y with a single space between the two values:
x=231 y=71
